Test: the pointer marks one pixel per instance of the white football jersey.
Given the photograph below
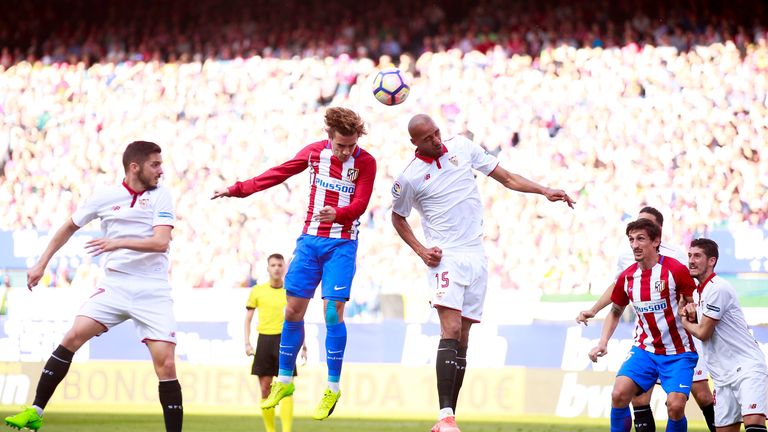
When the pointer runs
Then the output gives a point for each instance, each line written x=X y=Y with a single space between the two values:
x=626 y=258
x=125 y=214
x=731 y=351
x=445 y=194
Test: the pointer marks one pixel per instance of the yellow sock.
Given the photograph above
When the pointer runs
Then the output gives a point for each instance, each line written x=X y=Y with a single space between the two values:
x=268 y=415
x=286 y=413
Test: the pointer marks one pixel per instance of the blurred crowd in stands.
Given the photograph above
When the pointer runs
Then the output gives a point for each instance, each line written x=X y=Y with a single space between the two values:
x=621 y=106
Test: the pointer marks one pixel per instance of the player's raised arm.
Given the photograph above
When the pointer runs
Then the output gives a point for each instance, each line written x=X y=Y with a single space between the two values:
x=519 y=183
x=271 y=177
x=59 y=239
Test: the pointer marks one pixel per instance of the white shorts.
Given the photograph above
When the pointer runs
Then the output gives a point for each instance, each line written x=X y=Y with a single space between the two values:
x=120 y=296
x=700 y=372
x=459 y=282
x=747 y=395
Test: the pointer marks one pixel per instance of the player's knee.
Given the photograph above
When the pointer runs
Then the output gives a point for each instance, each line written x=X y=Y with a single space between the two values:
x=165 y=367
x=74 y=339
x=620 y=398
x=676 y=407
x=332 y=313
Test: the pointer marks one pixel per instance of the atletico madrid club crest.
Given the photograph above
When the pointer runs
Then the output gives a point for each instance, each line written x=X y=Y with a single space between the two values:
x=454 y=160
x=352 y=174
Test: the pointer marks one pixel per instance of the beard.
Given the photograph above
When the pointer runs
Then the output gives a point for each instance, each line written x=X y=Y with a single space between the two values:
x=147 y=181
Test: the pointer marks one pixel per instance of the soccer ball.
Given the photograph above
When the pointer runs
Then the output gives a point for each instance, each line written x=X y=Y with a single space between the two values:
x=390 y=87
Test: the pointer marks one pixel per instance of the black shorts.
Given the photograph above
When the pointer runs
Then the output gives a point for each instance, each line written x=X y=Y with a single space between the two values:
x=266 y=360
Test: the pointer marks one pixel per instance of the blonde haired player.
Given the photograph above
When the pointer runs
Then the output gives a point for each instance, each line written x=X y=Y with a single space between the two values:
x=341 y=176
x=440 y=184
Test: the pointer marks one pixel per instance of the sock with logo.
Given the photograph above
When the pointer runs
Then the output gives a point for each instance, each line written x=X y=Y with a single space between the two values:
x=170 y=398
x=53 y=373
x=290 y=343
x=335 y=343
x=461 y=367
x=621 y=419
x=677 y=425
x=445 y=367
x=644 y=421
x=709 y=416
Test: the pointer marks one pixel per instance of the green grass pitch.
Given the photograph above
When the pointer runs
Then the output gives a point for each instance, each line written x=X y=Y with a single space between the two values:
x=81 y=422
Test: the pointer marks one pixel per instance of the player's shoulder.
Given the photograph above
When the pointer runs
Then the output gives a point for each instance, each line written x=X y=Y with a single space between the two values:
x=720 y=283
x=629 y=271
x=160 y=190
x=108 y=193
x=364 y=158
x=672 y=263
x=457 y=143
x=411 y=171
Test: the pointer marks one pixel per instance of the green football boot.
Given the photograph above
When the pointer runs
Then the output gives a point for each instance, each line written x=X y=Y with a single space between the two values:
x=276 y=393
x=25 y=419
x=326 y=405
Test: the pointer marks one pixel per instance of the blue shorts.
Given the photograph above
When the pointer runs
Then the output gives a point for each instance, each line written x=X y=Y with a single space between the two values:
x=674 y=371
x=317 y=259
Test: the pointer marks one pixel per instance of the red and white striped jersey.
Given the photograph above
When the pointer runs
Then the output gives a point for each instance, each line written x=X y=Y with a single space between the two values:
x=655 y=294
x=345 y=186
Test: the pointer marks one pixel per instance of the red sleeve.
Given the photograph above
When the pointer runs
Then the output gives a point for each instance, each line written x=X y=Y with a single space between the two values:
x=619 y=294
x=362 y=195
x=273 y=176
x=684 y=284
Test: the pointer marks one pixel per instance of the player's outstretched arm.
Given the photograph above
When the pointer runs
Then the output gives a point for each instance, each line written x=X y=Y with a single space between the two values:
x=600 y=304
x=159 y=242
x=430 y=256
x=519 y=183
x=609 y=327
x=59 y=239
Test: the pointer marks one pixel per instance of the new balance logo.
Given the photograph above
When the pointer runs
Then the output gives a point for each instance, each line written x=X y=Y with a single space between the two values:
x=115 y=208
x=98 y=291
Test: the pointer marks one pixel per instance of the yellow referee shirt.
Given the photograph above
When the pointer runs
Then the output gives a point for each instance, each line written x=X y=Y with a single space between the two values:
x=271 y=305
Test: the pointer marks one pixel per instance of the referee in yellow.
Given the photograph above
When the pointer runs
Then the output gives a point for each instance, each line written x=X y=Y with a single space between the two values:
x=269 y=298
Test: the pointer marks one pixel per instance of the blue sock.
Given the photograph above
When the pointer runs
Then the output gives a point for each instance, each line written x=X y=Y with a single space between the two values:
x=621 y=419
x=335 y=342
x=677 y=425
x=290 y=343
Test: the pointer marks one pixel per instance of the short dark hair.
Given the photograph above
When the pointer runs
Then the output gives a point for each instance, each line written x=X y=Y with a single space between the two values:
x=657 y=214
x=650 y=227
x=276 y=256
x=138 y=152
x=708 y=246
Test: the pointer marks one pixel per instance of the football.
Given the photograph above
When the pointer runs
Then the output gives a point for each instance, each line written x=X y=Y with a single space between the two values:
x=390 y=87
